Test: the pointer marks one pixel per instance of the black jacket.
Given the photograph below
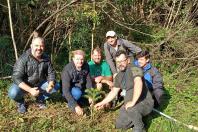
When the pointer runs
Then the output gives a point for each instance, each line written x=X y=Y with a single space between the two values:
x=31 y=71
x=72 y=78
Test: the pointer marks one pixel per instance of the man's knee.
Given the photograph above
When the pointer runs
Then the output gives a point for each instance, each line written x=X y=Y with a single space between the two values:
x=123 y=124
x=123 y=121
x=76 y=93
x=15 y=92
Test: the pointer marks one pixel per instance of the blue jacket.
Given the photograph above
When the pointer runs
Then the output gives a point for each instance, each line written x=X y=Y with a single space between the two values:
x=153 y=80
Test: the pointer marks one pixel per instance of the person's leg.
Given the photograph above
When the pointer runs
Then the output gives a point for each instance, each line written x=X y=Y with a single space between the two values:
x=76 y=94
x=123 y=121
x=136 y=117
x=17 y=95
x=137 y=112
x=158 y=97
x=43 y=94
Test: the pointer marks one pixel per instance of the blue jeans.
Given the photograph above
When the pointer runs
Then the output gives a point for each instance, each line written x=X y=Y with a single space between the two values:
x=17 y=93
x=76 y=93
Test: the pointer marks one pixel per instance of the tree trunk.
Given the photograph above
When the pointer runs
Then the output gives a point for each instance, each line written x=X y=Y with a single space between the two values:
x=11 y=29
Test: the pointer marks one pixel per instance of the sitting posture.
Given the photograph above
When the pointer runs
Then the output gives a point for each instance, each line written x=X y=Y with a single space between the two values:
x=75 y=79
x=152 y=77
x=138 y=101
x=99 y=69
x=33 y=73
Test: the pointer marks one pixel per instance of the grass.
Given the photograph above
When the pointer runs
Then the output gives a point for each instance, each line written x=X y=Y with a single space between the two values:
x=182 y=106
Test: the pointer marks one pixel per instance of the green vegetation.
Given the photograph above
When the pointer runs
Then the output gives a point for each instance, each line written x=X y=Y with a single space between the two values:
x=182 y=106
x=168 y=29
x=94 y=95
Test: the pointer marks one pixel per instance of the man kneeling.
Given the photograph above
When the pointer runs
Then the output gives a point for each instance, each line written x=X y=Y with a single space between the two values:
x=138 y=101
x=33 y=73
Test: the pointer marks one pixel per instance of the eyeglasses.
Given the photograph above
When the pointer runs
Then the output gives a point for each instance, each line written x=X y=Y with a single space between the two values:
x=121 y=61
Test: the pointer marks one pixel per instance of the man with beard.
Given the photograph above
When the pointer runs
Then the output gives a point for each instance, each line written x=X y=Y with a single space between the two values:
x=33 y=73
x=99 y=69
x=138 y=101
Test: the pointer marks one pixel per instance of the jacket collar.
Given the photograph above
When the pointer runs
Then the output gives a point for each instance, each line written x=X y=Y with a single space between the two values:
x=44 y=56
x=146 y=68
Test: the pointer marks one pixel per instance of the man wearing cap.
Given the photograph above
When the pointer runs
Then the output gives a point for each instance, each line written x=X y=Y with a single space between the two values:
x=114 y=44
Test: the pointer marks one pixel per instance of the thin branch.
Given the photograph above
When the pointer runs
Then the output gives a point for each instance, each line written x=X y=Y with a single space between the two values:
x=11 y=29
x=3 y=5
x=3 y=78
x=176 y=13
x=126 y=26
x=72 y=2
x=180 y=58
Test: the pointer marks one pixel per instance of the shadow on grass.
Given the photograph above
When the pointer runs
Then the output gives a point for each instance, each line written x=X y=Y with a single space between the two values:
x=148 y=119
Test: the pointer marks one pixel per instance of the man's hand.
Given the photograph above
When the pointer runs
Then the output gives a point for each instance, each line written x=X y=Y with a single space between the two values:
x=114 y=75
x=34 y=91
x=98 y=79
x=99 y=106
x=50 y=87
x=110 y=83
x=129 y=104
x=99 y=86
x=78 y=110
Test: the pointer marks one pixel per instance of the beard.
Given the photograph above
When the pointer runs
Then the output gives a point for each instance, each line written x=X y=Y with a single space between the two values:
x=122 y=68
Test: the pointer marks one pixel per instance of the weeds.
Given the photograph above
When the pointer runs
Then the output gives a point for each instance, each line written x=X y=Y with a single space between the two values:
x=58 y=118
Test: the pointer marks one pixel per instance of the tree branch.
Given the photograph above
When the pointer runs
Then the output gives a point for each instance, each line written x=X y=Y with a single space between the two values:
x=72 y=2
x=3 y=78
x=11 y=29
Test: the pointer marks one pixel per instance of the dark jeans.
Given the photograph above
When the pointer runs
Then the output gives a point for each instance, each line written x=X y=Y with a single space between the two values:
x=133 y=116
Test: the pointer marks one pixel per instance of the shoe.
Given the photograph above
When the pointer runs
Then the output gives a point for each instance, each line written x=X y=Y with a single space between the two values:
x=21 y=108
x=42 y=106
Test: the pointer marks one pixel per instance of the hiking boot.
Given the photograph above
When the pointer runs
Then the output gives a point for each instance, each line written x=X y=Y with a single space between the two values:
x=41 y=104
x=21 y=108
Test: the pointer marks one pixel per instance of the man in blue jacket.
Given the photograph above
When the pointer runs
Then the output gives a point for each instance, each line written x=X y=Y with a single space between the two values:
x=152 y=76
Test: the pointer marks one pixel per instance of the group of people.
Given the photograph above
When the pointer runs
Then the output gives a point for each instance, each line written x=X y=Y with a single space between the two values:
x=135 y=79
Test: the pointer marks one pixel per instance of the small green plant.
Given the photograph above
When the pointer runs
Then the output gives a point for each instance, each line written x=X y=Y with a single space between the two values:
x=94 y=94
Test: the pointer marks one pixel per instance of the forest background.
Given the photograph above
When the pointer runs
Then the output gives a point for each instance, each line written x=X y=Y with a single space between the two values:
x=167 y=28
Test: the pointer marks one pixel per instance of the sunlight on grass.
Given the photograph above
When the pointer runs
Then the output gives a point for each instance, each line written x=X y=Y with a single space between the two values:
x=182 y=106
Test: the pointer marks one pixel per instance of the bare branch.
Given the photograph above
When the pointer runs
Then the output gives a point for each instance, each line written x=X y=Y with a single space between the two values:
x=3 y=5
x=3 y=78
x=72 y=2
x=11 y=28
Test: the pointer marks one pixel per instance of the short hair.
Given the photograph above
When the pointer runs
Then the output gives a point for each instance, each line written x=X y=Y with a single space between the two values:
x=78 y=52
x=143 y=54
x=38 y=39
x=121 y=52
x=98 y=49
